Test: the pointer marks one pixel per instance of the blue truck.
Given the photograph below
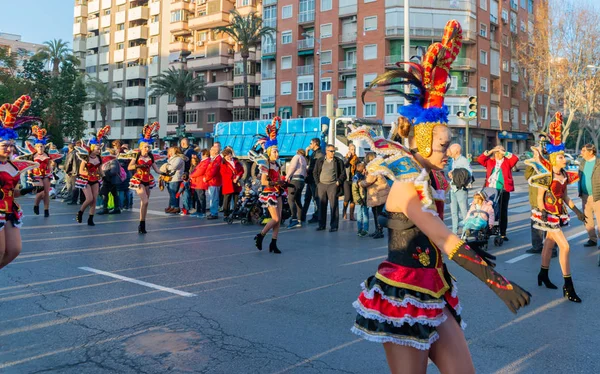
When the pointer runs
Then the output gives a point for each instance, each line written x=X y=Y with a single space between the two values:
x=294 y=134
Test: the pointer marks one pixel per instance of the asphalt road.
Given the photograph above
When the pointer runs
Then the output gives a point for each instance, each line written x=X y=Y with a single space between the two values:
x=195 y=296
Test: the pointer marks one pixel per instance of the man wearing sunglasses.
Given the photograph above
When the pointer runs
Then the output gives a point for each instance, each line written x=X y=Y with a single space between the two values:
x=329 y=175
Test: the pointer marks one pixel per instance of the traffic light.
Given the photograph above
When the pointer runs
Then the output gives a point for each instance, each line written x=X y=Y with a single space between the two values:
x=472 y=106
x=460 y=114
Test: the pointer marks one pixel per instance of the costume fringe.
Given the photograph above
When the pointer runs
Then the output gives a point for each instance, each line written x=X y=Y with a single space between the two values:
x=421 y=345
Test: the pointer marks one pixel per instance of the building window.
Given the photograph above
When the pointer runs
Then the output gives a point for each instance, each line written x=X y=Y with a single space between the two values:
x=505 y=40
x=523 y=4
x=325 y=84
x=305 y=90
x=152 y=100
x=505 y=90
x=119 y=84
x=350 y=111
x=523 y=27
x=286 y=88
x=483 y=30
x=389 y=109
x=210 y=118
x=453 y=82
x=483 y=112
x=325 y=5
x=505 y=66
x=191 y=116
x=523 y=118
x=119 y=65
x=539 y=99
x=326 y=31
x=286 y=11
x=370 y=23
x=370 y=52
x=325 y=57
x=120 y=46
x=370 y=109
x=90 y=69
x=286 y=37
x=120 y=26
x=505 y=115
x=286 y=62
x=530 y=6
x=179 y=15
x=483 y=84
x=514 y=5
x=483 y=57
x=107 y=12
x=172 y=118
x=154 y=19
x=368 y=78
x=483 y=4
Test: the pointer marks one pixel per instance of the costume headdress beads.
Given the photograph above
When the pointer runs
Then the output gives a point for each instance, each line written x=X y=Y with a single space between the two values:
x=272 y=131
x=149 y=133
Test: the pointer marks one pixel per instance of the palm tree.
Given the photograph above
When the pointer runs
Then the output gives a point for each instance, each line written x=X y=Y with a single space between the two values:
x=102 y=95
x=56 y=52
x=247 y=32
x=180 y=84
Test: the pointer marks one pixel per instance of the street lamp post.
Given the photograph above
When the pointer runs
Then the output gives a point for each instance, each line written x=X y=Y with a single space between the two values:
x=318 y=86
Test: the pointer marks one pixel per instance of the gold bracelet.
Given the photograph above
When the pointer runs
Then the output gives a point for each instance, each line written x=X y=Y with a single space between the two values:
x=453 y=252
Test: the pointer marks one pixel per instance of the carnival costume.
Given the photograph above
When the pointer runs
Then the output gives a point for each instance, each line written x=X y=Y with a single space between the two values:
x=142 y=176
x=92 y=175
x=44 y=171
x=403 y=303
x=554 y=215
x=269 y=195
x=11 y=170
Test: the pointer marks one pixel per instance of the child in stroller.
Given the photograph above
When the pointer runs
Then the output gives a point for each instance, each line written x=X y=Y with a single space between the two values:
x=481 y=219
x=246 y=207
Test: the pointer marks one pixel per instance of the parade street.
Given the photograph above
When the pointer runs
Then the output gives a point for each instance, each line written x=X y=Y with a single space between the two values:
x=195 y=296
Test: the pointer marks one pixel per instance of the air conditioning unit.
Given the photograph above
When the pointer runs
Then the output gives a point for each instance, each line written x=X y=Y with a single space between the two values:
x=465 y=77
x=353 y=19
x=342 y=78
x=200 y=43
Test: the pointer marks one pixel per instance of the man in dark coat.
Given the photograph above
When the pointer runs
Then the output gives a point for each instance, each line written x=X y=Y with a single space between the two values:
x=329 y=175
x=311 y=190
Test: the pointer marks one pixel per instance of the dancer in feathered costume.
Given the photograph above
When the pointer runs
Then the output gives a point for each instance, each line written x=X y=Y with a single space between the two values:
x=273 y=191
x=410 y=305
x=40 y=176
x=551 y=213
x=90 y=173
x=144 y=160
x=11 y=214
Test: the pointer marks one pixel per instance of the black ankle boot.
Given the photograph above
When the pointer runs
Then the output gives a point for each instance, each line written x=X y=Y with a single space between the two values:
x=569 y=290
x=273 y=246
x=91 y=220
x=36 y=210
x=258 y=239
x=142 y=227
x=543 y=278
x=46 y=212
x=79 y=217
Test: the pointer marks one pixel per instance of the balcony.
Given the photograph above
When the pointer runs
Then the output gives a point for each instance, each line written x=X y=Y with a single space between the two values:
x=462 y=91
x=80 y=28
x=93 y=6
x=210 y=63
x=79 y=45
x=91 y=43
x=347 y=10
x=137 y=92
x=306 y=17
x=495 y=123
x=306 y=95
x=105 y=20
x=270 y=22
x=462 y=63
x=103 y=76
x=119 y=55
x=347 y=65
x=153 y=49
x=136 y=72
x=181 y=4
x=269 y=49
x=495 y=98
x=119 y=36
x=306 y=70
x=134 y=112
x=104 y=39
x=152 y=111
x=495 y=45
x=103 y=58
x=135 y=53
x=180 y=46
x=397 y=32
x=514 y=77
x=180 y=28
x=268 y=74
x=89 y=115
x=93 y=24
x=120 y=17
x=348 y=38
x=91 y=60
x=80 y=11
x=346 y=94
x=138 y=32
x=131 y=132
x=139 y=13
x=154 y=8
x=105 y=4
x=118 y=74
x=514 y=102
x=116 y=113
x=306 y=44
x=390 y=61
x=219 y=18
x=269 y=2
x=267 y=99
x=153 y=70
x=154 y=28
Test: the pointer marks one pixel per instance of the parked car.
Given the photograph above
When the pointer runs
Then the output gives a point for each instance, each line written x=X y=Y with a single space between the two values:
x=572 y=162
x=520 y=165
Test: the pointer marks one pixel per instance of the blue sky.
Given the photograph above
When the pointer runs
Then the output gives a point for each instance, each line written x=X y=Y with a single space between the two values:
x=38 y=20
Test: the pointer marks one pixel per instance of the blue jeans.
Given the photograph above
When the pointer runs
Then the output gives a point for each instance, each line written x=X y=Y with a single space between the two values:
x=458 y=201
x=213 y=200
x=173 y=200
x=362 y=218
x=186 y=198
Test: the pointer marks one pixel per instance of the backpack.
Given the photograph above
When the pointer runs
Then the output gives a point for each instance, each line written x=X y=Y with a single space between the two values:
x=122 y=173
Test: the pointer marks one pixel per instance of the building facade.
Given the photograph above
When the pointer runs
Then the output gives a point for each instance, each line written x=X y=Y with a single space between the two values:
x=18 y=48
x=337 y=47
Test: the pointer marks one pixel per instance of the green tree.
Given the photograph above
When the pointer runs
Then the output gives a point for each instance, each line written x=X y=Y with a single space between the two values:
x=11 y=86
x=182 y=85
x=247 y=32
x=103 y=95
x=55 y=53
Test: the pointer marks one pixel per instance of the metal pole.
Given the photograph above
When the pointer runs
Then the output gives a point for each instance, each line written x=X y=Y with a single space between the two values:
x=319 y=83
x=467 y=138
x=406 y=56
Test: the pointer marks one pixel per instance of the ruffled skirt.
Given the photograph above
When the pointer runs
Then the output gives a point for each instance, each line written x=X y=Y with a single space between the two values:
x=404 y=316
x=554 y=222
x=269 y=198
x=81 y=182
x=15 y=217
x=135 y=183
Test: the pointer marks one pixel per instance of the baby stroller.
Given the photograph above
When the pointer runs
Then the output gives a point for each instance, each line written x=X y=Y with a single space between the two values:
x=482 y=236
x=247 y=210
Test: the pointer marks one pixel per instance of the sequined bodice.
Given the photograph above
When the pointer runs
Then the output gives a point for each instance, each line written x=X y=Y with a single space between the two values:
x=143 y=171
x=9 y=179
x=553 y=198
x=44 y=167
x=408 y=245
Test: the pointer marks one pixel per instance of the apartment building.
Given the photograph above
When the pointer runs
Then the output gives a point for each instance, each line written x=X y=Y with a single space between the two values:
x=337 y=47
x=20 y=49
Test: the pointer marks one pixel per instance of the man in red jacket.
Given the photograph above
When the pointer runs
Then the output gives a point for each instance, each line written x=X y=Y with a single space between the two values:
x=498 y=174
x=213 y=179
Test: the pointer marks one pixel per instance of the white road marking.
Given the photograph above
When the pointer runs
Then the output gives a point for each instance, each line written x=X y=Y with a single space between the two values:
x=317 y=356
x=363 y=261
x=519 y=258
x=522 y=257
x=156 y=212
x=141 y=283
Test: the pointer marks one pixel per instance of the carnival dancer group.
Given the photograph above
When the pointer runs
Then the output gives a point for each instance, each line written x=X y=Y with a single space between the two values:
x=410 y=305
